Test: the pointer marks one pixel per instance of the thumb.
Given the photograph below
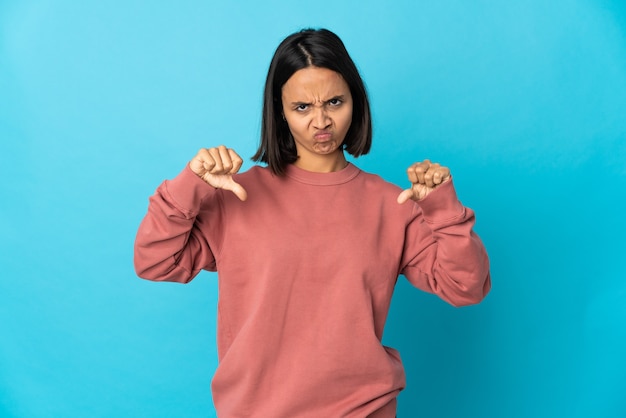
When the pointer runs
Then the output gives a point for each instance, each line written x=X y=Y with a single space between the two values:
x=405 y=195
x=237 y=189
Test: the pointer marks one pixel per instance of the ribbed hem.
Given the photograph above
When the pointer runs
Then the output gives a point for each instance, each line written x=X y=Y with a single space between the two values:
x=322 y=179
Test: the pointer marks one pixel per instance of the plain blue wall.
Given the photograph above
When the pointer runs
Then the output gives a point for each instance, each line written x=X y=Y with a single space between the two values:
x=524 y=100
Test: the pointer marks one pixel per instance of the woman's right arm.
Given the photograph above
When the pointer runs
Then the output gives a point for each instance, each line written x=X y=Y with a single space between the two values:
x=171 y=243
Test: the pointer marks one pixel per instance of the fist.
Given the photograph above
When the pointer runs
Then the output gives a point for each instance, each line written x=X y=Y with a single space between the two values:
x=216 y=167
x=424 y=177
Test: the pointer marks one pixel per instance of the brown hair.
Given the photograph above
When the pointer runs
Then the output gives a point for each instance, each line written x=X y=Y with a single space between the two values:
x=309 y=48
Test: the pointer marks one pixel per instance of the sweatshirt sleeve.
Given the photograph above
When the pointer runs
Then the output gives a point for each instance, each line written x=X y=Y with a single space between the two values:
x=443 y=255
x=170 y=244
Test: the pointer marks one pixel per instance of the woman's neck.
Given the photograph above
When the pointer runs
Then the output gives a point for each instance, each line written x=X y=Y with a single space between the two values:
x=323 y=164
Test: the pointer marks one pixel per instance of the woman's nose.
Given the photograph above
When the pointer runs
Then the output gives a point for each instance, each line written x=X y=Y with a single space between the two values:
x=321 y=119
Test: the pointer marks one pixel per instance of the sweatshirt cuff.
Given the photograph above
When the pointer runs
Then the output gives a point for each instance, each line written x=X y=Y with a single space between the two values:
x=187 y=191
x=441 y=204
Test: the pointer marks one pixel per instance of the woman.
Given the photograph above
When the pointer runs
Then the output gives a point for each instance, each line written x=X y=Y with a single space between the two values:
x=308 y=248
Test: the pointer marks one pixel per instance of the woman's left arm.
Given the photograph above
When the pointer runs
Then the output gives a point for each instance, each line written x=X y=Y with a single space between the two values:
x=443 y=255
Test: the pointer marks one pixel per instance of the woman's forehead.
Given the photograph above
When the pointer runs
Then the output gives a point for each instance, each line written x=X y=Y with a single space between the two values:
x=316 y=82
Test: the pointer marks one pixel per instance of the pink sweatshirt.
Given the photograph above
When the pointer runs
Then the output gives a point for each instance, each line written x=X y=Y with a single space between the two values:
x=306 y=270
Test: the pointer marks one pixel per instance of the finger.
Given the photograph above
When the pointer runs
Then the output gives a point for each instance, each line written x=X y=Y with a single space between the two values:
x=208 y=162
x=420 y=170
x=238 y=190
x=236 y=159
x=405 y=196
x=227 y=162
x=201 y=162
x=430 y=174
x=420 y=191
x=416 y=172
x=442 y=174
x=411 y=173
x=218 y=168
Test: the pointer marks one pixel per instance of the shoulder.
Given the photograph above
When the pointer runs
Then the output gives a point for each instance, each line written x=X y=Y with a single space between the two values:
x=384 y=194
x=374 y=181
x=257 y=178
x=254 y=174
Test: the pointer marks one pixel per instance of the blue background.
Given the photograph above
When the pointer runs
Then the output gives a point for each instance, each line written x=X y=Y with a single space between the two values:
x=523 y=100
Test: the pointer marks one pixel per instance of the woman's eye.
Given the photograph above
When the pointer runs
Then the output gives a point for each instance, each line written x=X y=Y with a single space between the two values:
x=301 y=107
x=335 y=102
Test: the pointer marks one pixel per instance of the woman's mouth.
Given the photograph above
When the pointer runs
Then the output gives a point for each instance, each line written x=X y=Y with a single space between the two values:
x=323 y=136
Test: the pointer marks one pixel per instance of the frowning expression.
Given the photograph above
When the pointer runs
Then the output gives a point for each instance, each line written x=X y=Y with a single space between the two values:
x=317 y=106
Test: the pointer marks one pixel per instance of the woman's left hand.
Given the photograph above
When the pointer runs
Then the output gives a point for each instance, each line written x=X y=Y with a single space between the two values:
x=424 y=177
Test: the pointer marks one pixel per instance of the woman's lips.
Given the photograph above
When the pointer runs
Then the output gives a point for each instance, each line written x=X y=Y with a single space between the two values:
x=323 y=136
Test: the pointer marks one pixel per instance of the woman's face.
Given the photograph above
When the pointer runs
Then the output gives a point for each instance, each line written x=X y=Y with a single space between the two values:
x=317 y=105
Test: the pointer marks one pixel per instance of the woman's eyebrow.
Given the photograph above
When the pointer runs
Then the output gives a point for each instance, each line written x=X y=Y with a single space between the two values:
x=338 y=96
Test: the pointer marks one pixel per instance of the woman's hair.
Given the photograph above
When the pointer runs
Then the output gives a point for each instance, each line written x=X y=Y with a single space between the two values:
x=309 y=48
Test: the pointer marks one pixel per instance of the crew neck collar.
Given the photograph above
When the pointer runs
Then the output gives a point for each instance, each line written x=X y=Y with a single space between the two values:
x=344 y=175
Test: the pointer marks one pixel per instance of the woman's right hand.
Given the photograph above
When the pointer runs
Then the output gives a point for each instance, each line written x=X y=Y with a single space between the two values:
x=216 y=166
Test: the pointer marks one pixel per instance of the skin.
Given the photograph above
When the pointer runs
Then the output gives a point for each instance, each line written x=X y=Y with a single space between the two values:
x=424 y=177
x=216 y=166
x=317 y=106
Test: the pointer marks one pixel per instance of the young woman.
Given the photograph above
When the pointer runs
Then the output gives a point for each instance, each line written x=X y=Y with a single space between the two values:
x=308 y=247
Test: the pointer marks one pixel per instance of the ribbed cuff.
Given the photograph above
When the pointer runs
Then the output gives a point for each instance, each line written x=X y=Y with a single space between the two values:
x=187 y=190
x=441 y=204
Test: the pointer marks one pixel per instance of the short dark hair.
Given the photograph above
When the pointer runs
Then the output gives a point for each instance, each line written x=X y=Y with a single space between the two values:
x=309 y=48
